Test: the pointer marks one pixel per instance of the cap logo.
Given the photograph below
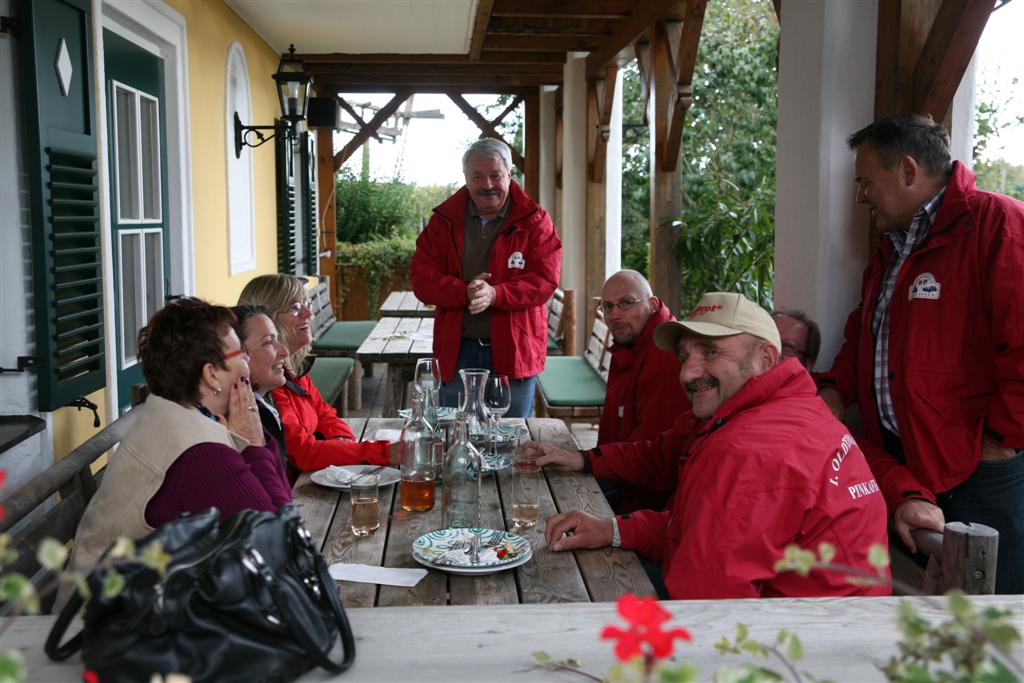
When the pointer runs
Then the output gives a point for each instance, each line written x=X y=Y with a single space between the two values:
x=701 y=310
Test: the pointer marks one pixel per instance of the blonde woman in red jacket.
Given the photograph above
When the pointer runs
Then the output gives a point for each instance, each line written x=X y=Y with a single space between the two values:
x=315 y=437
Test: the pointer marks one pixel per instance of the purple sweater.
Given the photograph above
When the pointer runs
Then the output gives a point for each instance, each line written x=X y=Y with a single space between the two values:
x=214 y=475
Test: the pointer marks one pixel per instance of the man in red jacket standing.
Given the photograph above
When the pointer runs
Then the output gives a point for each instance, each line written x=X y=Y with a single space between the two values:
x=489 y=260
x=934 y=354
x=768 y=466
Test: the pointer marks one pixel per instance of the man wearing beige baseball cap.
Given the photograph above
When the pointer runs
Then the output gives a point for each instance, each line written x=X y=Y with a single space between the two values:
x=769 y=466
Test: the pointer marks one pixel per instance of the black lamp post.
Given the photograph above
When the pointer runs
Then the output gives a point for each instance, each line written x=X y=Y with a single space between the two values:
x=293 y=85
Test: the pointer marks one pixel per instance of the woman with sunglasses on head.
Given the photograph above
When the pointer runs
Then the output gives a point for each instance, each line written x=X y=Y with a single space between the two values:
x=315 y=437
x=197 y=441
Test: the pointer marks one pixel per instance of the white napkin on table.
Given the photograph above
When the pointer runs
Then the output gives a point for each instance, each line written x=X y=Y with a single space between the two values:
x=388 y=435
x=365 y=573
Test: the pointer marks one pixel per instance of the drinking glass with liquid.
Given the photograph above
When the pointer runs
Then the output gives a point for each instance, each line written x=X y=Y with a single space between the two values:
x=419 y=449
x=525 y=491
x=364 y=492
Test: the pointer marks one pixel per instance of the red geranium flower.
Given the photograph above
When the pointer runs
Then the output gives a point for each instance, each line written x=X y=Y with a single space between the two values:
x=90 y=676
x=645 y=617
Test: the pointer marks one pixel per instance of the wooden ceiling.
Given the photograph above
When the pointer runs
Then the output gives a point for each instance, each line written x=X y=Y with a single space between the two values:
x=516 y=45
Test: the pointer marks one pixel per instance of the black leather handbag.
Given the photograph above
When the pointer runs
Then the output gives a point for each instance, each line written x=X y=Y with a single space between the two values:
x=247 y=600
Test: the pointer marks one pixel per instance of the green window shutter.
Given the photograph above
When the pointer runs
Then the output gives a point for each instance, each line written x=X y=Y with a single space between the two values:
x=309 y=206
x=60 y=147
x=286 y=234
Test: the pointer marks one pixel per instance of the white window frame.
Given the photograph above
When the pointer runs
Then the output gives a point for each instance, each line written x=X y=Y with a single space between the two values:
x=143 y=314
x=138 y=95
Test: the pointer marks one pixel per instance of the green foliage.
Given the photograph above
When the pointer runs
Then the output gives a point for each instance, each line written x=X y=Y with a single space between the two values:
x=727 y=230
x=369 y=210
x=373 y=262
x=955 y=651
x=12 y=667
x=999 y=175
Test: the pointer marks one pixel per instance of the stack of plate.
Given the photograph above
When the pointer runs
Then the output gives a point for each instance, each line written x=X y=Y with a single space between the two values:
x=340 y=477
x=450 y=550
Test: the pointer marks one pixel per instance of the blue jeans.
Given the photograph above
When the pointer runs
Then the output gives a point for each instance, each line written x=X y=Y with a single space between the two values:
x=474 y=355
x=994 y=495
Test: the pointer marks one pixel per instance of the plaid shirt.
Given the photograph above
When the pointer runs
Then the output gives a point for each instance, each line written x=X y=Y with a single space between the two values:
x=905 y=242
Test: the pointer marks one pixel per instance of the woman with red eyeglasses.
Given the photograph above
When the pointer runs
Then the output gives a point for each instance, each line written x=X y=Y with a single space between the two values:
x=197 y=441
x=315 y=437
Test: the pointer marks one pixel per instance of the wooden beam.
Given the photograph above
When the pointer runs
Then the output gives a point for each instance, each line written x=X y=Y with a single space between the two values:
x=643 y=65
x=483 y=18
x=493 y=83
x=551 y=42
x=327 y=208
x=345 y=58
x=359 y=119
x=563 y=8
x=486 y=127
x=629 y=29
x=531 y=134
x=683 y=63
x=508 y=110
x=364 y=134
x=329 y=71
x=600 y=96
x=472 y=89
x=947 y=52
x=573 y=25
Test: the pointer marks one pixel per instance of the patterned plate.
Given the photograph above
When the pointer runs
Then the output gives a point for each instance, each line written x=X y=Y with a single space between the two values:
x=475 y=571
x=444 y=413
x=448 y=548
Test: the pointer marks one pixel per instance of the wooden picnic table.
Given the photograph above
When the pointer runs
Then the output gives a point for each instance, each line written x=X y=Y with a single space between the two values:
x=844 y=639
x=581 y=576
x=405 y=305
x=398 y=342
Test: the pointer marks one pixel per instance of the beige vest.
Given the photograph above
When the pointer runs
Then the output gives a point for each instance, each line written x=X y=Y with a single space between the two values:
x=136 y=471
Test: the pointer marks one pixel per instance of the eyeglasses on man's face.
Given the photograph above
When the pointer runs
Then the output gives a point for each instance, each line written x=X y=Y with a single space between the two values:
x=298 y=307
x=792 y=351
x=622 y=304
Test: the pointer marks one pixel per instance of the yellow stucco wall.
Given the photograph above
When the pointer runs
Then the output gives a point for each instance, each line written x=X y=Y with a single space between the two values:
x=212 y=27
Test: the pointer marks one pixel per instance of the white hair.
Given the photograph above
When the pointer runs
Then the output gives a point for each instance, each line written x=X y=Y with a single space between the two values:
x=488 y=147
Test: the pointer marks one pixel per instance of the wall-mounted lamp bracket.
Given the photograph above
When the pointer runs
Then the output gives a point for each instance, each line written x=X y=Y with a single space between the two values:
x=242 y=135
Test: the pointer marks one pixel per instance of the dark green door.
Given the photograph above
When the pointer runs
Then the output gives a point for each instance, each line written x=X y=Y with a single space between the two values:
x=138 y=193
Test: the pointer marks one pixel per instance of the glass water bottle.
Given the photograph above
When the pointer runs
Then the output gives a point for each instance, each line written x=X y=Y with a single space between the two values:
x=419 y=447
x=462 y=469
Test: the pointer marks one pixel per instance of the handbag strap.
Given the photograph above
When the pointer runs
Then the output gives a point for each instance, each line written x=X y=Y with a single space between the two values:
x=302 y=636
x=54 y=650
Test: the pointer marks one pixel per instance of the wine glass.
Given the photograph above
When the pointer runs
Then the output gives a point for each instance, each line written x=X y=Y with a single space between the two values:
x=497 y=400
x=428 y=374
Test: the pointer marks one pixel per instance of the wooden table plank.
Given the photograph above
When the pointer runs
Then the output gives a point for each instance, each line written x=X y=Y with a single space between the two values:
x=394 y=341
x=400 y=304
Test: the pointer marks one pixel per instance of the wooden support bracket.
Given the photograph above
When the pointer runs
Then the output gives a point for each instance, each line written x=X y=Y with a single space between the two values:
x=386 y=112
x=600 y=97
x=643 y=65
x=947 y=52
x=681 y=40
x=488 y=128
x=355 y=115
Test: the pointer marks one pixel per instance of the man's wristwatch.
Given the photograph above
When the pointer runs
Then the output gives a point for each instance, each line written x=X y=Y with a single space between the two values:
x=616 y=538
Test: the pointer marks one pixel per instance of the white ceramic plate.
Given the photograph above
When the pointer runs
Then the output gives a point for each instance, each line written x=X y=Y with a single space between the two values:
x=444 y=413
x=339 y=477
x=450 y=549
x=476 y=571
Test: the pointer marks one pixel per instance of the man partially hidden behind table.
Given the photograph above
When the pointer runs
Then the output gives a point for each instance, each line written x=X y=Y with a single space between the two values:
x=768 y=466
x=489 y=260
x=934 y=354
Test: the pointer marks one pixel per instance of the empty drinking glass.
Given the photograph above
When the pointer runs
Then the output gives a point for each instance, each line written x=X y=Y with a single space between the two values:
x=497 y=400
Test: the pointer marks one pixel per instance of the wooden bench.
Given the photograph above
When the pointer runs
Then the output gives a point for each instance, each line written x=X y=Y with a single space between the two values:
x=562 y=323
x=963 y=557
x=573 y=387
x=334 y=344
x=72 y=478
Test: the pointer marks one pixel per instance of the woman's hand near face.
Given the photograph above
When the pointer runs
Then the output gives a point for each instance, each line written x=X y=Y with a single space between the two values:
x=243 y=417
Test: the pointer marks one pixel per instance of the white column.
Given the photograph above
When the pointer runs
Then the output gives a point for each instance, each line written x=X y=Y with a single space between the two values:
x=826 y=86
x=613 y=187
x=546 y=170
x=961 y=138
x=574 y=185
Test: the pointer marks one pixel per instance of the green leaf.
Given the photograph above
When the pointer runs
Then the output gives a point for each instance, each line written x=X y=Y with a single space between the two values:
x=684 y=673
x=826 y=551
x=742 y=631
x=541 y=657
x=1002 y=634
x=791 y=645
x=878 y=556
x=113 y=584
x=958 y=605
x=52 y=554
x=20 y=592
x=123 y=547
x=155 y=557
x=12 y=667
x=752 y=647
x=81 y=585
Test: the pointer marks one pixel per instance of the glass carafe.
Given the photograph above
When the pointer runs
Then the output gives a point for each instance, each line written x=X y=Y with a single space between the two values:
x=474 y=381
x=420 y=446
x=462 y=469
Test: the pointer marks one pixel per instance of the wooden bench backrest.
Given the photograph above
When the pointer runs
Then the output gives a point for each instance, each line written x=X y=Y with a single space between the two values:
x=323 y=311
x=597 y=347
x=555 y=307
x=562 y=320
x=72 y=477
x=963 y=557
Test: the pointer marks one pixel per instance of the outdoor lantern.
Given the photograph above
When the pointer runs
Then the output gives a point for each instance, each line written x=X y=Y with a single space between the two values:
x=293 y=85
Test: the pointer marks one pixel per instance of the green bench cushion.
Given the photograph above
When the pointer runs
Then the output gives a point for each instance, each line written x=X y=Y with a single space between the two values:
x=571 y=381
x=344 y=335
x=329 y=376
x=553 y=347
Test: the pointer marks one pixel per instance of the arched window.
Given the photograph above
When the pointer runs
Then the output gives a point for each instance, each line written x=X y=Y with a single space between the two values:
x=241 y=223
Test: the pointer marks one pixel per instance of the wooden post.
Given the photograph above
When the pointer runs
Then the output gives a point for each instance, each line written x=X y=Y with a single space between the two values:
x=666 y=186
x=969 y=558
x=596 y=189
x=569 y=322
x=326 y=208
x=531 y=175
